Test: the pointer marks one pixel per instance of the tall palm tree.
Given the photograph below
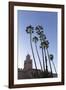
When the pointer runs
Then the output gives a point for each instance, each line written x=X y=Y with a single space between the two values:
x=47 y=45
x=42 y=39
x=29 y=30
x=51 y=58
x=39 y=31
x=44 y=54
x=35 y=39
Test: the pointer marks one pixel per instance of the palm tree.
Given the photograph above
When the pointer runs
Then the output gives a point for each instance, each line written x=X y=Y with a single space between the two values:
x=42 y=39
x=47 y=45
x=35 y=39
x=44 y=54
x=39 y=31
x=51 y=58
x=29 y=30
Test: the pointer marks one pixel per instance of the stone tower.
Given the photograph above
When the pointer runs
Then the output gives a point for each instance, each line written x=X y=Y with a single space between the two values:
x=28 y=63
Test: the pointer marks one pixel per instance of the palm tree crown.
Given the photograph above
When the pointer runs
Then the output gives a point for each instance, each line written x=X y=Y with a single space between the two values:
x=29 y=29
x=35 y=39
x=42 y=37
x=43 y=44
x=38 y=29
x=51 y=56
x=46 y=43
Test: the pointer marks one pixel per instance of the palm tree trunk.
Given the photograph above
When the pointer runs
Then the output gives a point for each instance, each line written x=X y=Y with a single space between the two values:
x=43 y=59
x=38 y=56
x=33 y=53
x=54 y=67
x=46 y=60
x=49 y=61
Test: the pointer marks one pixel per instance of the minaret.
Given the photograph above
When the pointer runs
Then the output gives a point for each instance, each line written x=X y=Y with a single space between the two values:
x=28 y=63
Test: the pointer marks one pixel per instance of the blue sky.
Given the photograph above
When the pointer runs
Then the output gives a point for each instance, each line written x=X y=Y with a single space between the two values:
x=49 y=22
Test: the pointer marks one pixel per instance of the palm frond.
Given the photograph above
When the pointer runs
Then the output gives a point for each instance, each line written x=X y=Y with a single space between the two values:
x=30 y=29
x=51 y=57
x=35 y=39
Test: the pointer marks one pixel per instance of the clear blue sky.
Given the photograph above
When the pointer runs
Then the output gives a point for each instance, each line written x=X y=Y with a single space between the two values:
x=49 y=22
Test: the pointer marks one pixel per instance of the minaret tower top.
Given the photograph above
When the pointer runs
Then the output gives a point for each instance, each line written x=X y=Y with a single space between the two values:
x=28 y=63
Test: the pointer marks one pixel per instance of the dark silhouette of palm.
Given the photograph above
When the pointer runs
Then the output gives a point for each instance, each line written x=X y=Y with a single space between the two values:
x=29 y=30
x=47 y=45
x=35 y=39
x=42 y=37
x=44 y=49
x=51 y=58
x=39 y=31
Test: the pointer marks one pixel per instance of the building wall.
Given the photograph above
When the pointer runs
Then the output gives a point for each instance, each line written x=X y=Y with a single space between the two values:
x=28 y=64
